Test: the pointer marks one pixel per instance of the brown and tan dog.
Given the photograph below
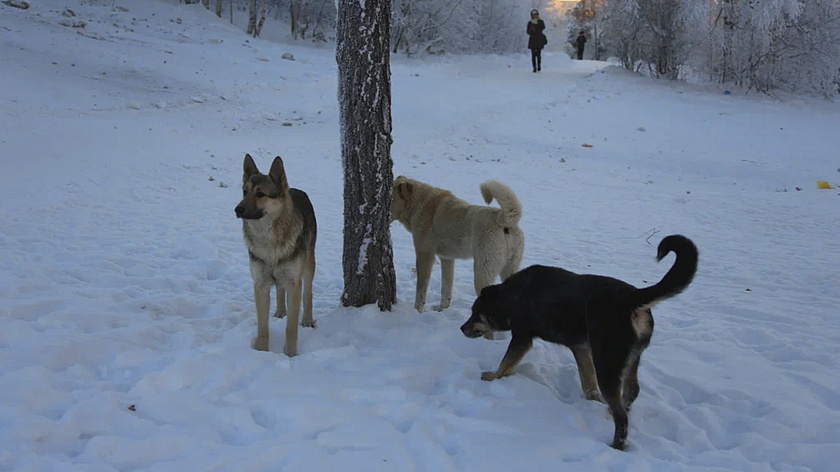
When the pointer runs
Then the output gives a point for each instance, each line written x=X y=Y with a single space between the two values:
x=279 y=228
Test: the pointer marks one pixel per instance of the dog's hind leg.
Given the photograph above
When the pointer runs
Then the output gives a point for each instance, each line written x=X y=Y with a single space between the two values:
x=510 y=268
x=484 y=274
x=425 y=261
x=631 y=382
x=447 y=278
x=308 y=276
x=612 y=395
x=586 y=370
x=262 y=298
x=518 y=347
x=609 y=362
x=280 y=312
x=290 y=349
x=485 y=271
x=512 y=265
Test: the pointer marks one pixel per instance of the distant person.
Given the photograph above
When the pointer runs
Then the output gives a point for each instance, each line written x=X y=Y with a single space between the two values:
x=581 y=42
x=536 y=39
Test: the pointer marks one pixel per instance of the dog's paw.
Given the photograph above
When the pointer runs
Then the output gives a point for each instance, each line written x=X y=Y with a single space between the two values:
x=290 y=351
x=280 y=313
x=619 y=445
x=261 y=344
x=308 y=323
x=419 y=307
x=488 y=376
x=444 y=304
x=592 y=395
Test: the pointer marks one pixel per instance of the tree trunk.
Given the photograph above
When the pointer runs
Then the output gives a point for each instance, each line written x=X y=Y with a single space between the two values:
x=262 y=19
x=252 y=18
x=364 y=94
x=294 y=13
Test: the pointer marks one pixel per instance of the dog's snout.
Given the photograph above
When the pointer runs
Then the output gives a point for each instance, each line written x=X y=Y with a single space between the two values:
x=239 y=210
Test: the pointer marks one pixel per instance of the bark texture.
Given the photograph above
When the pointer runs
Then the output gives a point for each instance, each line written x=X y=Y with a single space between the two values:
x=252 y=18
x=364 y=93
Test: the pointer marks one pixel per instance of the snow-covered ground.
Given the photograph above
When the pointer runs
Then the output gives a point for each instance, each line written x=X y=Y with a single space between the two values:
x=127 y=313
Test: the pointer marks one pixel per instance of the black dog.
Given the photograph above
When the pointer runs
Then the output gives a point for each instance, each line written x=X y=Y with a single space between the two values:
x=606 y=323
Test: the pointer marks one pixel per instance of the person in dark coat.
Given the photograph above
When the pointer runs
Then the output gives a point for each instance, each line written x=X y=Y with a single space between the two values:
x=581 y=42
x=536 y=39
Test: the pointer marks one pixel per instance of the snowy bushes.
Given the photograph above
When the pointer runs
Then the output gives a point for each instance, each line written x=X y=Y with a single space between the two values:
x=785 y=44
x=309 y=19
x=454 y=26
x=762 y=45
x=659 y=35
x=460 y=26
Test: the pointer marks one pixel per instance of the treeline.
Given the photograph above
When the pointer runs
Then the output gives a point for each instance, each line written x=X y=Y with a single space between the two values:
x=764 y=45
x=417 y=26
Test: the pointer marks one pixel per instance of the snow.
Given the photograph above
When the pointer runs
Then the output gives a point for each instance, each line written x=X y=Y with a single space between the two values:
x=127 y=308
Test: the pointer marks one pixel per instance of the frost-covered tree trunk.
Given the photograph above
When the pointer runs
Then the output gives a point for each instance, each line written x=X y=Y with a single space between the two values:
x=294 y=12
x=364 y=95
x=262 y=19
x=252 y=18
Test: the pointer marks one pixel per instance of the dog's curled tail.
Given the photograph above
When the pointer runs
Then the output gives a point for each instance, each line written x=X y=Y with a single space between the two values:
x=511 y=209
x=678 y=277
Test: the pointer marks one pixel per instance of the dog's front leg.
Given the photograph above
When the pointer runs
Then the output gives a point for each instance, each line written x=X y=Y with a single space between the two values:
x=483 y=276
x=262 y=298
x=447 y=278
x=281 y=301
x=586 y=370
x=425 y=261
x=518 y=347
x=290 y=348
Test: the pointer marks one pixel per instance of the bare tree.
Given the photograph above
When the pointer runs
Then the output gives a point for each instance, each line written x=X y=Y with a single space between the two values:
x=460 y=26
x=761 y=45
x=262 y=20
x=364 y=94
x=786 y=44
x=255 y=27
x=299 y=18
x=252 y=18
x=624 y=32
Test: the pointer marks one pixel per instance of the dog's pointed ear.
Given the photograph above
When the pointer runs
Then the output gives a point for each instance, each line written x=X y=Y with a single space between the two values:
x=403 y=187
x=278 y=174
x=249 y=168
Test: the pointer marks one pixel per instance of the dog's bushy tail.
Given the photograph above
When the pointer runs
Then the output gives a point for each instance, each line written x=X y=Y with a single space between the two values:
x=678 y=277
x=511 y=209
